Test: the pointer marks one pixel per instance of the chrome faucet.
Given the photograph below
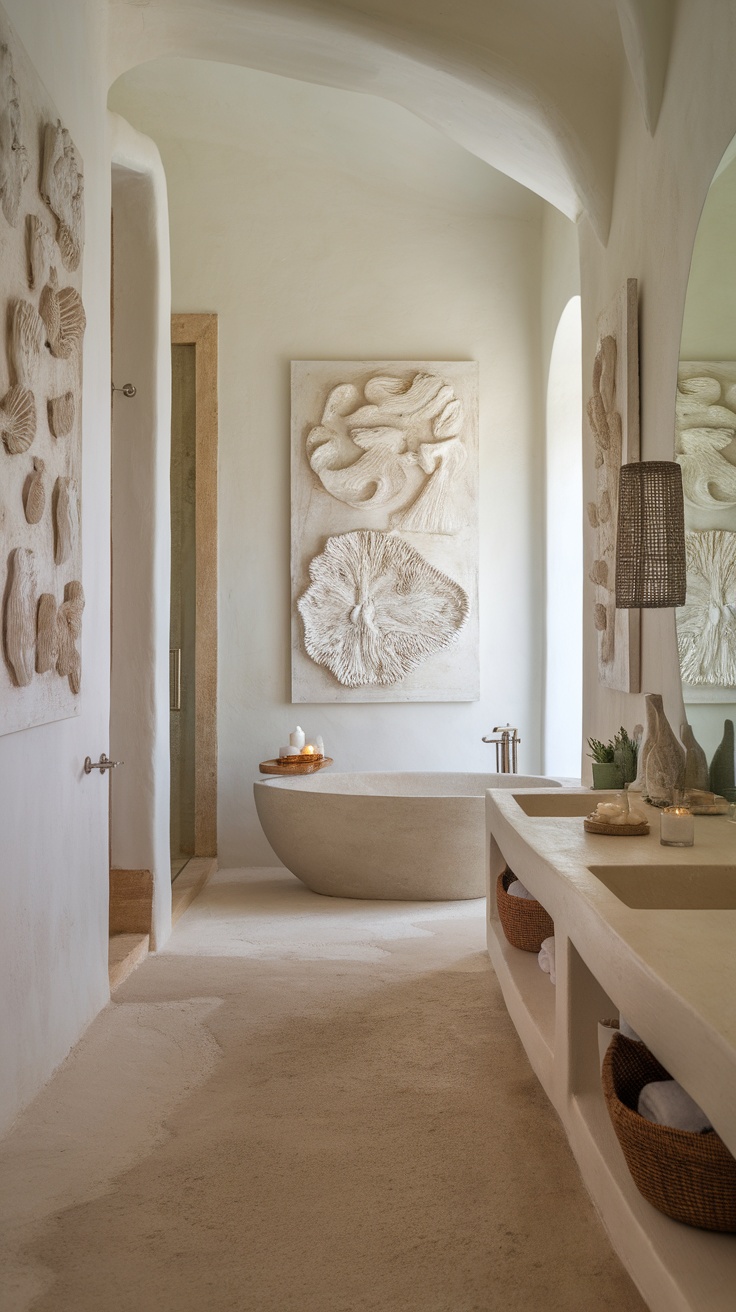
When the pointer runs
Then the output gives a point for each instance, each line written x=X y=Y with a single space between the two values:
x=508 y=743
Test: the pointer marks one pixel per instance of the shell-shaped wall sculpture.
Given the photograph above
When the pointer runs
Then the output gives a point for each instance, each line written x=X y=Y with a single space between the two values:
x=599 y=573
x=40 y=251
x=18 y=420
x=35 y=498
x=62 y=187
x=20 y=616
x=47 y=641
x=375 y=609
x=66 y=516
x=61 y=410
x=14 y=162
x=68 y=631
x=27 y=337
x=63 y=315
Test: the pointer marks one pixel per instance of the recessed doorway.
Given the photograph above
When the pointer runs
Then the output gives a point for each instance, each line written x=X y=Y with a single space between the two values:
x=193 y=632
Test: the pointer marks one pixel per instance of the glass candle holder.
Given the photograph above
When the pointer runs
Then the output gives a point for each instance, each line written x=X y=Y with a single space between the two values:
x=676 y=827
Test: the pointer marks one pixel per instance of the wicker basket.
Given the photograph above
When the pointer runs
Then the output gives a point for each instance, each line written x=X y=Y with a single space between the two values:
x=525 y=923
x=690 y=1177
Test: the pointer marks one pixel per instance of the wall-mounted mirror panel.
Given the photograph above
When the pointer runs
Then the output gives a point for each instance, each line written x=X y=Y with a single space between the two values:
x=705 y=446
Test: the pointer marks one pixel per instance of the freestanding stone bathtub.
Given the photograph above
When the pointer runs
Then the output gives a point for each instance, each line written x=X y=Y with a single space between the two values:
x=398 y=837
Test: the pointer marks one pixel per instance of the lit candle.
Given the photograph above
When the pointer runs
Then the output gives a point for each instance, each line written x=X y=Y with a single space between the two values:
x=676 y=827
x=308 y=750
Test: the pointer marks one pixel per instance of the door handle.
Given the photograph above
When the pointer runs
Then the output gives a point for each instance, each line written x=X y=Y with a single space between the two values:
x=175 y=679
x=102 y=765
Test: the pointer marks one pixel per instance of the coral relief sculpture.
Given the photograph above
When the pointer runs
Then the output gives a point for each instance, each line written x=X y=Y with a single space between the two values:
x=398 y=446
x=14 y=162
x=375 y=609
x=706 y=624
x=705 y=429
x=605 y=423
x=62 y=187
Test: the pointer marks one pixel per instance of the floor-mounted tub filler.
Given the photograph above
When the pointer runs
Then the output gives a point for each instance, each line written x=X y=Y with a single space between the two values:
x=398 y=837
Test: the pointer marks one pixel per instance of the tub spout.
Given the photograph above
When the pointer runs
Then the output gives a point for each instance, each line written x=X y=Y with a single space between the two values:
x=508 y=741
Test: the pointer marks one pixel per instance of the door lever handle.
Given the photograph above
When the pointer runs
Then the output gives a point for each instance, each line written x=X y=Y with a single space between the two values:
x=102 y=765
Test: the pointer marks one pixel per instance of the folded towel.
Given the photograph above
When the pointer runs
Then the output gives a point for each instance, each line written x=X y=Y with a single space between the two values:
x=625 y=1029
x=546 y=958
x=517 y=890
x=666 y=1103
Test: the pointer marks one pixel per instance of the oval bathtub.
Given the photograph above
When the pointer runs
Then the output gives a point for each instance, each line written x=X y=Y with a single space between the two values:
x=397 y=837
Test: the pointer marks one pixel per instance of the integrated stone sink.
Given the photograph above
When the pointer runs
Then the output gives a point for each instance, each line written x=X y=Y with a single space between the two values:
x=560 y=804
x=671 y=888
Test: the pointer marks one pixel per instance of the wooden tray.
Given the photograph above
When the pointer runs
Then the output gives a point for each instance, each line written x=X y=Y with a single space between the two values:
x=615 y=831
x=299 y=767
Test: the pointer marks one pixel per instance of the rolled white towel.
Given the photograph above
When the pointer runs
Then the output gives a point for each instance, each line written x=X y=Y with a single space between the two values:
x=546 y=958
x=625 y=1029
x=666 y=1103
x=517 y=890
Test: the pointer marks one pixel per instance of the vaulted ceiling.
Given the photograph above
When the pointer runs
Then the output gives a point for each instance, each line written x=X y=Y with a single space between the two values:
x=530 y=86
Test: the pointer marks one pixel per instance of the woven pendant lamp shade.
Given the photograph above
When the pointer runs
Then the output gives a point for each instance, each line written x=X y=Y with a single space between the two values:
x=650 y=541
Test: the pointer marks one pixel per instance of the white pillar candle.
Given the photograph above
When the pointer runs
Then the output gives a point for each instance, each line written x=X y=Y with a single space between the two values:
x=676 y=827
x=297 y=738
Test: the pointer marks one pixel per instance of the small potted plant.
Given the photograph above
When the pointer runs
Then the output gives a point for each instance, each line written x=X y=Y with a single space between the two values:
x=606 y=772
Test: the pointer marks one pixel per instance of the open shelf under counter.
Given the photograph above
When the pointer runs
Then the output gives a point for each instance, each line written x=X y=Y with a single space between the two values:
x=677 y=1267
x=674 y=965
x=530 y=998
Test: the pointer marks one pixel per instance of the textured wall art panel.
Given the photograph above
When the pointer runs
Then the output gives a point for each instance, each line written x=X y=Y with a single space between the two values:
x=705 y=446
x=384 y=536
x=613 y=415
x=42 y=324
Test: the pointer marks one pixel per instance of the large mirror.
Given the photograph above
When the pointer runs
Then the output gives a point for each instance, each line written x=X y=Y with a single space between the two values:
x=705 y=446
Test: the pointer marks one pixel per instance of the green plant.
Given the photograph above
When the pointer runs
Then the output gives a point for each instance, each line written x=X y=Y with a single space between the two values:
x=621 y=749
x=601 y=752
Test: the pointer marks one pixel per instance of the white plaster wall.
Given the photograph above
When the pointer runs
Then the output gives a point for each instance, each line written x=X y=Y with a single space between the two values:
x=561 y=377
x=53 y=818
x=141 y=537
x=563 y=701
x=317 y=223
x=661 y=184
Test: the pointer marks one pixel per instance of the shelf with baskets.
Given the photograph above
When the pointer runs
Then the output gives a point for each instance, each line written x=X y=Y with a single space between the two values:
x=610 y=956
x=528 y=991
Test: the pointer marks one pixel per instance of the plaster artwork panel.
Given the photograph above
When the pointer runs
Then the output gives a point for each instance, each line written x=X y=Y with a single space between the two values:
x=42 y=325
x=705 y=447
x=705 y=433
x=613 y=416
x=384 y=545
x=706 y=624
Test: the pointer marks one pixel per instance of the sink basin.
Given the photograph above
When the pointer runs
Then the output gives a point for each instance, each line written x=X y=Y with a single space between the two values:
x=671 y=888
x=560 y=803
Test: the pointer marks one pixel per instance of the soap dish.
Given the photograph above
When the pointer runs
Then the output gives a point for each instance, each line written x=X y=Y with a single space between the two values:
x=593 y=826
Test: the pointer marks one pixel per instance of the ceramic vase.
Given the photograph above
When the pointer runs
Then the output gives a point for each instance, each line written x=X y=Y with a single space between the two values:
x=722 y=765
x=665 y=759
x=696 y=762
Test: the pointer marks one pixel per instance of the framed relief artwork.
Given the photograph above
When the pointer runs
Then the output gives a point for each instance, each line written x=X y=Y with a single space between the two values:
x=384 y=537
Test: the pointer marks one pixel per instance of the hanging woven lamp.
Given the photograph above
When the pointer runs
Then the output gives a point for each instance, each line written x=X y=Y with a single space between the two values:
x=650 y=539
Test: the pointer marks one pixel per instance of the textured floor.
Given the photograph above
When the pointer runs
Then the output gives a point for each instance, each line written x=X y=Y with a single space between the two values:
x=302 y=1105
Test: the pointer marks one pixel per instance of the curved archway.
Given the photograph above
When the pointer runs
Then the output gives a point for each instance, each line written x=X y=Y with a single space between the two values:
x=563 y=699
x=520 y=107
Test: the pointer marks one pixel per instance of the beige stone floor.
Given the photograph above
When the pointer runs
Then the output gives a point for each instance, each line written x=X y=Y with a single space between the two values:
x=302 y=1104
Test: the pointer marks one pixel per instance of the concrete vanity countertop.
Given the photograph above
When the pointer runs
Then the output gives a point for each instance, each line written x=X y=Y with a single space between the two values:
x=671 y=972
